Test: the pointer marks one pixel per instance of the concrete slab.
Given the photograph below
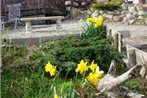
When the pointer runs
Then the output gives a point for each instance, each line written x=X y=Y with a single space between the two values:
x=42 y=33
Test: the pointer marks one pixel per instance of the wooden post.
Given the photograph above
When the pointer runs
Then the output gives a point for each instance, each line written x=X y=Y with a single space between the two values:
x=109 y=32
x=120 y=43
x=131 y=58
x=116 y=41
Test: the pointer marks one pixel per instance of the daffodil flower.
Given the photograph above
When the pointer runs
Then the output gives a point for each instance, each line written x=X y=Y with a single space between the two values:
x=91 y=19
x=93 y=66
x=99 y=22
x=92 y=79
x=50 y=68
x=82 y=67
x=95 y=77
x=56 y=96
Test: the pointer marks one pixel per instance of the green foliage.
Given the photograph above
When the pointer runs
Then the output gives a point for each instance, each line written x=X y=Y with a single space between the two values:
x=90 y=31
x=113 y=5
x=67 y=52
x=133 y=85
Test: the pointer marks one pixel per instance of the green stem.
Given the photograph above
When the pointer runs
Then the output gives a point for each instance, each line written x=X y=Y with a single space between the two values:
x=83 y=77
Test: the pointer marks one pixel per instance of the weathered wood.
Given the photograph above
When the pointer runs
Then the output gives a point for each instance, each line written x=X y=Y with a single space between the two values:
x=112 y=68
x=110 y=85
x=109 y=32
x=116 y=41
x=141 y=58
x=120 y=43
x=131 y=57
x=109 y=81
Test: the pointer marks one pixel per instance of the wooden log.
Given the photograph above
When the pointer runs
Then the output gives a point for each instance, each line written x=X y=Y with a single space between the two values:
x=110 y=85
x=131 y=57
x=110 y=81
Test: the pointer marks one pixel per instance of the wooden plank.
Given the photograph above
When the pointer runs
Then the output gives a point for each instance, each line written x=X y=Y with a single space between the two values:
x=141 y=58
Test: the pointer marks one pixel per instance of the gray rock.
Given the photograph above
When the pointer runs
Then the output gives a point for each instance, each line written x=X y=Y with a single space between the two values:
x=140 y=17
x=124 y=6
x=117 y=18
x=139 y=7
x=141 y=12
x=117 y=12
x=110 y=12
x=139 y=22
x=135 y=14
x=124 y=12
x=95 y=14
x=132 y=9
x=131 y=21
x=108 y=16
x=129 y=16
x=101 y=12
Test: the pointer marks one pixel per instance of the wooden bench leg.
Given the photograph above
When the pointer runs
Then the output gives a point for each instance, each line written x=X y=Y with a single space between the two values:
x=28 y=27
x=58 y=24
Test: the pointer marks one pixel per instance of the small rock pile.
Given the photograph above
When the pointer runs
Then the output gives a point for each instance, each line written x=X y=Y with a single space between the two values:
x=131 y=14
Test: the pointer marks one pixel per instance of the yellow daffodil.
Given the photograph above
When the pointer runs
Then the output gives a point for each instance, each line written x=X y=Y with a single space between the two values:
x=92 y=79
x=99 y=73
x=91 y=19
x=50 y=68
x=99 y=22
x=93 y=66
x=95 y=77
x=82 y=67
x=101 y=19
x=56 y=96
